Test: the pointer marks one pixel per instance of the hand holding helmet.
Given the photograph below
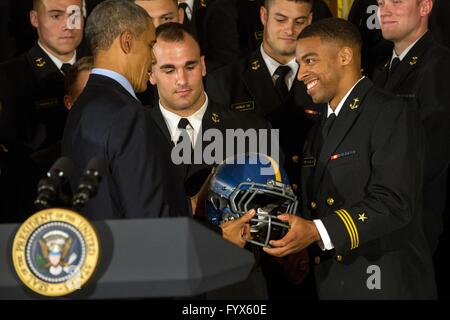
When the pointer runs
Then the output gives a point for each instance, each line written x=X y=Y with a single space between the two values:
x=251 y=181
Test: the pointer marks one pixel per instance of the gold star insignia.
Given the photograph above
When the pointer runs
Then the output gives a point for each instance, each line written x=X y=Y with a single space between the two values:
x=203 y=3
x=413 y=61
x=40 y=62
x=362 y=217
x=255 y=65
x=215 y=117
x=354 y=104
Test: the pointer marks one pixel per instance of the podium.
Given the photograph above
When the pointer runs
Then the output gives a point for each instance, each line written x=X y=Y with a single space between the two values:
x=145 y=258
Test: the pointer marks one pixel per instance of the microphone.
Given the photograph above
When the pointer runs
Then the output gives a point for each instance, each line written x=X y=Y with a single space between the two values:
x=89 y=183
x=50 y=187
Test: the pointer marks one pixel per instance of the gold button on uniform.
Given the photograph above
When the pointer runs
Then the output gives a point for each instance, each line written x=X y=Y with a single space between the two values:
x=294 y=186
x=339 y=258
x=295 y=159
x=330 y=201
x=313 y=205
x=317 y=260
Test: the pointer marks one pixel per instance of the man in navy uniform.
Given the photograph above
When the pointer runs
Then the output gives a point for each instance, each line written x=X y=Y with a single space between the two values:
x=183 y=104
x=239 y=25
x=416 y=70
x=33 y=115
x=362 y=178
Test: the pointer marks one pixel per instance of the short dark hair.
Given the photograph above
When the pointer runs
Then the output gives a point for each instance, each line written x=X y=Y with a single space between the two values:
x=112 y=17
x=173 y=32
x=85 y=63
x=334 y=29
x=267 y=3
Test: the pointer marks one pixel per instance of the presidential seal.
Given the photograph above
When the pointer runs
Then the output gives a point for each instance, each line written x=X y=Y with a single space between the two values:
x=55 y=252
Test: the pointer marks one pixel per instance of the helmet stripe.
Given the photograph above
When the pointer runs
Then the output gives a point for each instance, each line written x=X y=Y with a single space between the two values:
x=276 y=169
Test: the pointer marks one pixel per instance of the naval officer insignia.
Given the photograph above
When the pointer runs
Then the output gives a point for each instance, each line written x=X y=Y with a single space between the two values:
x=55 y=252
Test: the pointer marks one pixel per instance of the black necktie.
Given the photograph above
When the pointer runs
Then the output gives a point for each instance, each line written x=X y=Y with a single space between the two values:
x=328 y=125
x=394 y=64
x=280 y=83
x=182 y=125
x=184 y=6
x=65 y=67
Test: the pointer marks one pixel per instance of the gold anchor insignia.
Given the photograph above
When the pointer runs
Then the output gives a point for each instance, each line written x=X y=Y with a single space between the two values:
x=203 y=3
x=413 y=61
x=215 y=117
x=256 y=65
x=355 y=104
x=362 y=217
x=40 y=62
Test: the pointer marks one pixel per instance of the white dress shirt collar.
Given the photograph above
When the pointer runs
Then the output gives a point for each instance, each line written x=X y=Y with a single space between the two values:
x=341 y=103
x=55 y=60
x=402 y=55
x=194 y=119
x=272 y=65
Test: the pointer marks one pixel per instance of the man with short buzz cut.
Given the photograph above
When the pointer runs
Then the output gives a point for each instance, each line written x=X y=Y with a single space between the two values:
x=33 y=113
x=162 y=11
x=184 y=107
x=417 y=71
x=107 y=120
x=362 y=178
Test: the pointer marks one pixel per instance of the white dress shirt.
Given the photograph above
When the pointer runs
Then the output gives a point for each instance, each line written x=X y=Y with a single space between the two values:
x=194 y=119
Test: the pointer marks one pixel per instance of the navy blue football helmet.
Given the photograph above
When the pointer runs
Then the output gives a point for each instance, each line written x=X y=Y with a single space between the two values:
x=252 y=181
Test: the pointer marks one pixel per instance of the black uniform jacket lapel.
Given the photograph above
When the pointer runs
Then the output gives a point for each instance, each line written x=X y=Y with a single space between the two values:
x=42 y=65
x=161 y=123
x=408 y=64
x=347 y=116
x=258 y=81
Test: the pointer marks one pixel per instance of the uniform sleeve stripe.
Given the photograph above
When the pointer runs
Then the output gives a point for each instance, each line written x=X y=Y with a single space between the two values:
x=354 y=227
x=349 y=230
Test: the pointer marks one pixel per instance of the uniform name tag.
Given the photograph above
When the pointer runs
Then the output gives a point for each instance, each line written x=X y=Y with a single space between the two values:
x=244 y=106
x=47 y=103
x=309 y=162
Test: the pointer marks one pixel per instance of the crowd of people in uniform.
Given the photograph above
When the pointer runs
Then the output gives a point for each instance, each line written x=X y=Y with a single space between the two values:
x=363 y=115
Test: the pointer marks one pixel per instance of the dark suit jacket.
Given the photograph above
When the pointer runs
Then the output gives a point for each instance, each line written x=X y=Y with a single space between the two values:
x=246 y=86
x=239 y=25
x=421 y=80
x=32 y=120
x=140 y=181
x=216 y=117
x=364 y=182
